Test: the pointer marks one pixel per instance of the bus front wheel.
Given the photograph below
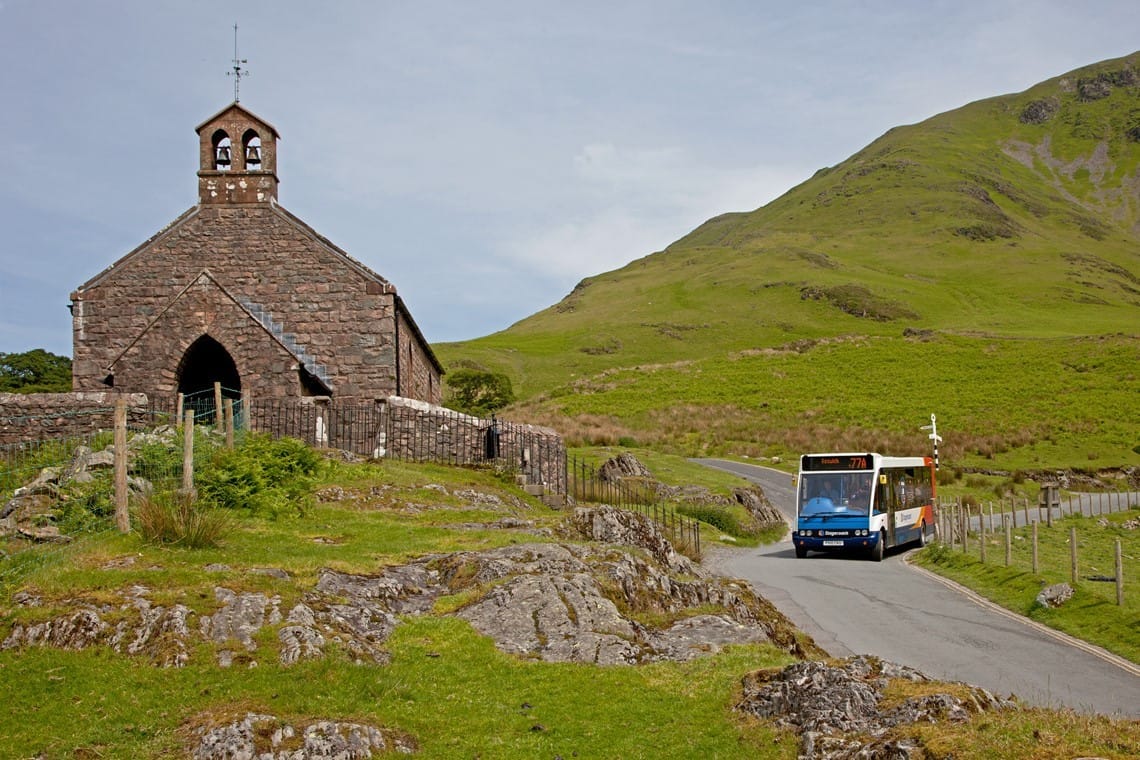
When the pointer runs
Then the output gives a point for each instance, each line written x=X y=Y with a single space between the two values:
x=877 y=549
x=801 y=552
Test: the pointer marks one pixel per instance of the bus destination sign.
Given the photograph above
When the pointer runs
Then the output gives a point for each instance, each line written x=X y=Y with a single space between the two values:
x=826 y=462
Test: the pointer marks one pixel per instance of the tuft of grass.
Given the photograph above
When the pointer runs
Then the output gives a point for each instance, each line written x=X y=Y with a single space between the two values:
x=177 y=518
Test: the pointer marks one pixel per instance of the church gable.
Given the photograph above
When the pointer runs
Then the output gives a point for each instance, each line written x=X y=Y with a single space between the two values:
x=261 y=353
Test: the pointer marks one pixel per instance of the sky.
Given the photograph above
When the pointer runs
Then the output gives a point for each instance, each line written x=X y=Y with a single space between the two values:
x=482 y=156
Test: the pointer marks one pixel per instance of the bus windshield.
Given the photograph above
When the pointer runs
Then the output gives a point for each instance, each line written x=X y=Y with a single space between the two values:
x=831 y=493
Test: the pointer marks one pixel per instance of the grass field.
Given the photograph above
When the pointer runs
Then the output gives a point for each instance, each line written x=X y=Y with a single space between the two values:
x=446 y=687
x=979 y=266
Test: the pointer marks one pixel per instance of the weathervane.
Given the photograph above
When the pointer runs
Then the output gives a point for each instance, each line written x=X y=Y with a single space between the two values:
x=238 y=71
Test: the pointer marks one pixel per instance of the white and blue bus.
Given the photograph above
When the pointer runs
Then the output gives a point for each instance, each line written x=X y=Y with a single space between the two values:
x=863 y=503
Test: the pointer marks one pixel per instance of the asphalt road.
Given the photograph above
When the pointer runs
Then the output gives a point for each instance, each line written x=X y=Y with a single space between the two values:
x=901 y=613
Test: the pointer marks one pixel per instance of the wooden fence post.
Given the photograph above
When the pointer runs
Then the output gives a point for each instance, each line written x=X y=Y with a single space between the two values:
x=122 y=515
x=965 y=527
x=1008 y=540
x=981 y=534
x=188 y=453
x=229 y=407
x=1073 y=554
x=178 y=410
x=218 y=404
x=1035 y=548
x=1119 y=576
x=1026 y=506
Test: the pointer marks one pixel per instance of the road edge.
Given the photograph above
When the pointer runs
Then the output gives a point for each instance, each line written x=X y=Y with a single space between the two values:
x=1098 y=652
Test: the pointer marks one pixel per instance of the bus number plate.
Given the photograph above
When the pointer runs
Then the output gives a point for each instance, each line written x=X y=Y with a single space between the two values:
x=833 y=543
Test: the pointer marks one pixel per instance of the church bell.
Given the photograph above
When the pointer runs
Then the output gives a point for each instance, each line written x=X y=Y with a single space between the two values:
x=253 y=154
x=223 y=155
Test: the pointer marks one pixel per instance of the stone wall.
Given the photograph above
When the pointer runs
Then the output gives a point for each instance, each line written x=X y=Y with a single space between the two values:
x=418 y=377
x=409 y=429
x=419 y=431
x=49 y=416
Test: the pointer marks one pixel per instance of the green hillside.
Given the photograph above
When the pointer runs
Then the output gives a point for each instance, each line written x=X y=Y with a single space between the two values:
x=983 y=265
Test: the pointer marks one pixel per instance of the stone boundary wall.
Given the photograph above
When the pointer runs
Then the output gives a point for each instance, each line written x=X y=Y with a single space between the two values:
x=420 y=431
x=396 y=428
x=27 y=417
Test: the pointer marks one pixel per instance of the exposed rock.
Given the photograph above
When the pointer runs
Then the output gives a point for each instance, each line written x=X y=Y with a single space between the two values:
x=43 y=534
x=1094 y=89
x=300 y=638
x=267 y=738
x=557 y=602
x=1040 y=111
x=836 y=707
x=583 y=613
x=242 y=615
x=624 y=465
x=757 y=504
x=557 y=619
x=1055 y=595
x=272 y=572
x=161 y=633
x=611 y=525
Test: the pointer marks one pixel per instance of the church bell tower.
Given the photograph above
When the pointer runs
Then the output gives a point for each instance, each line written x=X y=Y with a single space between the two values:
x=237 y=158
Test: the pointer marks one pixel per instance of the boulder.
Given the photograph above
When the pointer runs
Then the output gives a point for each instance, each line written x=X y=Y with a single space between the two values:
x=1055 y=595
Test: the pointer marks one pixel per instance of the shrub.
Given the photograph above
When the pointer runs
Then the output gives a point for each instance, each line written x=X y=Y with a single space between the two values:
x=86 y=506
x=720 y=518
x=477 y=392
x=264 y=475
x=175 y=518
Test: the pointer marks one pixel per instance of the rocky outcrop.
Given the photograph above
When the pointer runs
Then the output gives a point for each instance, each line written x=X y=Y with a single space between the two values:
x=140 y=628
x=559 y=602
x=268 y=738
x=1040 y=111
x=836 y=707
x=624 y=465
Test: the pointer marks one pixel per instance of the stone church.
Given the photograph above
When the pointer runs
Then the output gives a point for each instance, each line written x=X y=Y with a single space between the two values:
x=237 y=290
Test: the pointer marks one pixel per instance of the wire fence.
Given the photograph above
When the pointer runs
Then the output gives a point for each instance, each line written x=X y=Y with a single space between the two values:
x=1043 y=547
x=589 y=484
x=64 y=488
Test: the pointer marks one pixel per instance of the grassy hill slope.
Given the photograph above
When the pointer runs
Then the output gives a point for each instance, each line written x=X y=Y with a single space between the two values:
x=983 y=264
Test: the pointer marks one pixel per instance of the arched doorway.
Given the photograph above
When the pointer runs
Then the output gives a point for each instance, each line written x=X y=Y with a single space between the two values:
x=207 y=362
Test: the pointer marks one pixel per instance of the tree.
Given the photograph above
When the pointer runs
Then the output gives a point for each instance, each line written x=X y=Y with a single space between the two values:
x=35 y=371
x=478 y=392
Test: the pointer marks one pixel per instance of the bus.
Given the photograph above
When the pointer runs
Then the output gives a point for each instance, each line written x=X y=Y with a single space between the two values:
x=863 y=503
